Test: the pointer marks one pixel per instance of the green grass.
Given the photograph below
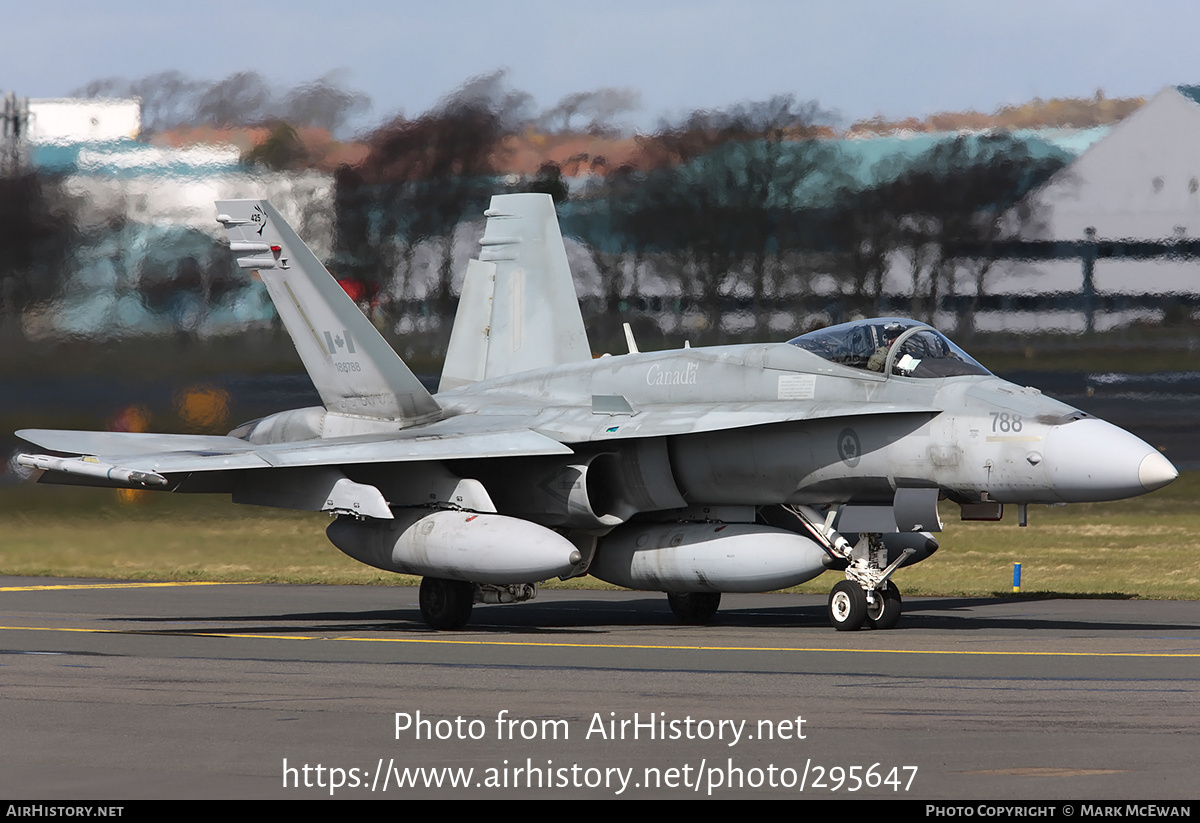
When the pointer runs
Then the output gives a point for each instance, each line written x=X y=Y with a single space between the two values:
x=72 y=532
x=1147 y=547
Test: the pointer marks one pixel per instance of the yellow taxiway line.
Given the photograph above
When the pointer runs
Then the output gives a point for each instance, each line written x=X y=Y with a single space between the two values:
x=564 y=645
x=133 y=585
x=527 y=643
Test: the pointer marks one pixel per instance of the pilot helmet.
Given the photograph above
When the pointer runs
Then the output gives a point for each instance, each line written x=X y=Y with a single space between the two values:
x=891 y=331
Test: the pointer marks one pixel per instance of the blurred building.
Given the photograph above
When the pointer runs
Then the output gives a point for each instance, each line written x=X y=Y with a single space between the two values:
x=1142 y=180
x=1117 y=224
x=147 y=256
x=69 y=120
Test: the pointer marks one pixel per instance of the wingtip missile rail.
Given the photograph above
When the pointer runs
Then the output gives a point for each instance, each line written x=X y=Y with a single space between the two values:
x=91 y=467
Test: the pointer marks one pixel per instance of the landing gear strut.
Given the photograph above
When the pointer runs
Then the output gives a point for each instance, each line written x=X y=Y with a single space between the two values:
x=446 y=604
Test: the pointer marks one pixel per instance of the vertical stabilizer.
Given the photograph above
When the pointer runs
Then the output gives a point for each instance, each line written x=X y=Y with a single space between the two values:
x=518 y=310
x=353 y=368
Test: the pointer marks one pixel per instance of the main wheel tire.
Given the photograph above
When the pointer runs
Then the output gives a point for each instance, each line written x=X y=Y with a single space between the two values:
x=694 y=608
x=847 y=606
x=885 y=612
x=446 y=604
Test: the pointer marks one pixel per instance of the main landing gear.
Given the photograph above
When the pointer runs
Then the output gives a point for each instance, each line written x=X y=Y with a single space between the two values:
x=446 y=604
x=694 y=608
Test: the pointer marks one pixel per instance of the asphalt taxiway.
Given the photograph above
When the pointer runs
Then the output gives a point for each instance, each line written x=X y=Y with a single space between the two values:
x=127 y=690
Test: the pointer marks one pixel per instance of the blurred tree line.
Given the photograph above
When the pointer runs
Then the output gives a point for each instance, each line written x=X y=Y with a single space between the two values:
x=35 y=237
x=1057 y=112
x=742 y=222
x=731 y=218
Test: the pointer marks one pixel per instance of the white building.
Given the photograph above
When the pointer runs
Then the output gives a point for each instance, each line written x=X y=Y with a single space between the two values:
x=73 y=120
x=1141 y=182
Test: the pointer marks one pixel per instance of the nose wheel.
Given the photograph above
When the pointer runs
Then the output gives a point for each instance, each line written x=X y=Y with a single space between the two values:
x=884 y=613
x=851 y=608
x=847 y=606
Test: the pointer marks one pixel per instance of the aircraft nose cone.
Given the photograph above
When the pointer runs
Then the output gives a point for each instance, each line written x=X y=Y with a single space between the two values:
x=1091 y=461
x=1156 y=471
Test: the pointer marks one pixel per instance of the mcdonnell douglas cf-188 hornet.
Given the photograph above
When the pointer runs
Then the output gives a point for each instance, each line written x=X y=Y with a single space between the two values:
x=693 y=472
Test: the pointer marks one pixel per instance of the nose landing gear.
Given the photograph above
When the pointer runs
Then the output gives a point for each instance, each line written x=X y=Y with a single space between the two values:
x=867 y=597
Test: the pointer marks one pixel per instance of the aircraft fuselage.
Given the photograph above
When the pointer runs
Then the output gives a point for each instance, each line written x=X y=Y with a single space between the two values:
x=816 y=432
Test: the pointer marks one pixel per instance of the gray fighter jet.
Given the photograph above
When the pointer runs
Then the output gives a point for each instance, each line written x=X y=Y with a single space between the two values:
x=693 y=472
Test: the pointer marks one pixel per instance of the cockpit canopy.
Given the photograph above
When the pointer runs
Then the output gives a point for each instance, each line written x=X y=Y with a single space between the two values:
x=913 y=349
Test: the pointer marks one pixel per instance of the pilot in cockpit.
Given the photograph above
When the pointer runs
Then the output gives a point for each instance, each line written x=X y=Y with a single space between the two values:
x=878 y=360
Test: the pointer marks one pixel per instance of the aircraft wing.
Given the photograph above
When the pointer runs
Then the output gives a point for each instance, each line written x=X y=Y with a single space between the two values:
x=504 y=432
x=180 y=453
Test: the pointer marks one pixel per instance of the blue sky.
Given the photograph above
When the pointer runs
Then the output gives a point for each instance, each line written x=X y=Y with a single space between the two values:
x=857 y=57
